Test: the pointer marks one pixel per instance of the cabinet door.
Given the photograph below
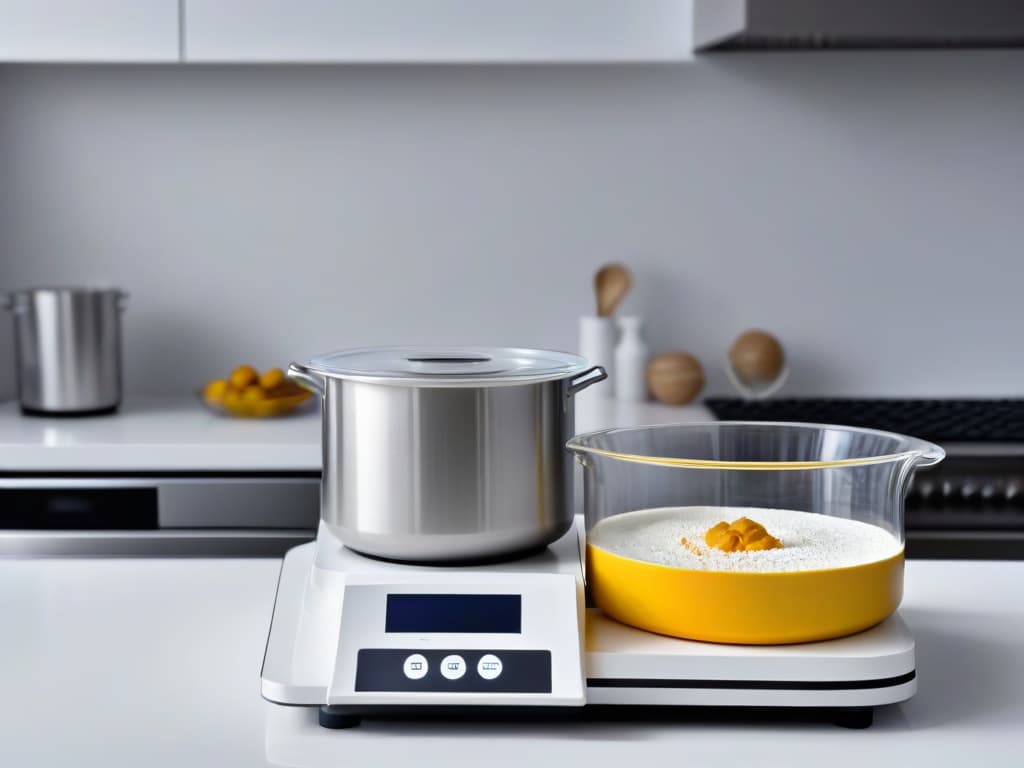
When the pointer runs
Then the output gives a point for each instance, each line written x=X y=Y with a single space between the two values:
x=89 y=30
x=436 y=30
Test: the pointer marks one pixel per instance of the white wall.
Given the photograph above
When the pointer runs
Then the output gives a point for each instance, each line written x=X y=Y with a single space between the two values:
x=865 y=206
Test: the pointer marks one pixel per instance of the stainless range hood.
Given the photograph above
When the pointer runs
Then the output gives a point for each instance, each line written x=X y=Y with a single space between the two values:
x=819 y=24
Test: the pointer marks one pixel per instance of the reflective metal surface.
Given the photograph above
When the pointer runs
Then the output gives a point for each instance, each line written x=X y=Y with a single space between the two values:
x=159 y=543
x=435 y=474
x=260 y=501
x=68 y=343
x=440 y=474
x=261 y=515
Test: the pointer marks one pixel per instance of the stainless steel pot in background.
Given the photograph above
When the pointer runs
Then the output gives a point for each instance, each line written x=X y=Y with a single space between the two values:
x=446 y=455
x=68 y=349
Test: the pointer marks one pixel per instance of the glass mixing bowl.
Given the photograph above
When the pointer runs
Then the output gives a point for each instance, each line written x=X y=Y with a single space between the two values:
x=830 y=497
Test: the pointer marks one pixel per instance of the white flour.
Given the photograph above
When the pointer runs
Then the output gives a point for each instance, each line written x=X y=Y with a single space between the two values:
x=810 y=541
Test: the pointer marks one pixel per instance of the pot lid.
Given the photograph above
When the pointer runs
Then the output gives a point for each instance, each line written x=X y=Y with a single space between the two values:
x=449 y=366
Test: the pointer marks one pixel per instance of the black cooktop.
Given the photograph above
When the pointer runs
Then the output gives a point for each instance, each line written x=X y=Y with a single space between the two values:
x=941 y=421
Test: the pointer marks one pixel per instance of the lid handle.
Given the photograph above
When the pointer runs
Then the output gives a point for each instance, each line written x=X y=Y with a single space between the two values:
x=454 y=364
x=450 y=360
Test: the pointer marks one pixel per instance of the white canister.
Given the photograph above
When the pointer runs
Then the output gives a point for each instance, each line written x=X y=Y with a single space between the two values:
x=631 y=355
x=598 y=336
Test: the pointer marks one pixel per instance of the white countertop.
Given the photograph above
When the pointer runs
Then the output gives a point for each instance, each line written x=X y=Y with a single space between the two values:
x=156 y=663
x=179 y=434
x=152 y=433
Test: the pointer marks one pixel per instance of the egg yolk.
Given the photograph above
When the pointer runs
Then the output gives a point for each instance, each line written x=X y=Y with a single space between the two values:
x=742 y=535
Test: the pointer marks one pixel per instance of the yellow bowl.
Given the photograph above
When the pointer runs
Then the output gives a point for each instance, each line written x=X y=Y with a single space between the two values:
x=267 y=408
x=744 y=608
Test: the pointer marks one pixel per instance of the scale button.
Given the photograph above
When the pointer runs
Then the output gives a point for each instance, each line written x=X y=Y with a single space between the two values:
x=453 y=667
x=415 y=666
x=489 y=666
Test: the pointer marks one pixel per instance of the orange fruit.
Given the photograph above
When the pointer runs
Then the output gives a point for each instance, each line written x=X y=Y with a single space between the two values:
x=243 y=376
x=253 y=393
x=215 y=390
x=272 y=378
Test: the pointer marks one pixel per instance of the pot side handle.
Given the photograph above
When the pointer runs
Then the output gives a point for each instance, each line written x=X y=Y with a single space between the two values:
x=306 y=379
x=585 y=379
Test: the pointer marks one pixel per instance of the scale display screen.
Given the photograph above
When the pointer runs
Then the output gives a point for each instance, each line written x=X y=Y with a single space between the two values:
x=501 y=614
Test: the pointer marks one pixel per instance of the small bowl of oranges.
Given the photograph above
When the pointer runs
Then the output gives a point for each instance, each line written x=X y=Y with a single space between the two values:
x=249 y=394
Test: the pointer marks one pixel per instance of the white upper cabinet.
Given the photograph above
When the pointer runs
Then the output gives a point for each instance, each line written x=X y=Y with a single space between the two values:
x=453 y=30
x=484 y=31
x=89 y=30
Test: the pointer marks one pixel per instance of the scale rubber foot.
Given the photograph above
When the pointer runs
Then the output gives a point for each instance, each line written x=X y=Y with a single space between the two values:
x=855 y=717
x=337 y=720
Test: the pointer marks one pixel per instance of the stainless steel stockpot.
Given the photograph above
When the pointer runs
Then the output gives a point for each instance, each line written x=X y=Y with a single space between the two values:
x=453 y=454
x=68 y=345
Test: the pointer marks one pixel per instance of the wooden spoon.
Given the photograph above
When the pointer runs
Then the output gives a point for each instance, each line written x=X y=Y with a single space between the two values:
x=611 y=284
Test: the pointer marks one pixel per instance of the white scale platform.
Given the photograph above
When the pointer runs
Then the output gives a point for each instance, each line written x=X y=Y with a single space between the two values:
x=321 y=654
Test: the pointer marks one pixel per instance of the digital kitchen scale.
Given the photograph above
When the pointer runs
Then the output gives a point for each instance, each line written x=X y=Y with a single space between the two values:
x=359 y=637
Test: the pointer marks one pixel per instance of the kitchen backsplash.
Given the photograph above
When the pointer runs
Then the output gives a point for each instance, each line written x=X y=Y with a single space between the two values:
x=866 y=207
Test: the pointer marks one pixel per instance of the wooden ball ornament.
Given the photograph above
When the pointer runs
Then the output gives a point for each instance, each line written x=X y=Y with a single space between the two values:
x=675 y=378
x=757 y=358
